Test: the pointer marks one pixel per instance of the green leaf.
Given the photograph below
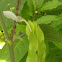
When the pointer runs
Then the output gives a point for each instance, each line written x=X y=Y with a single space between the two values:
x=26 y=12
x=39 y=3
x=20 y=28
x=57 y=22
x=59 y=44
x=41 y=45
x=54 y=54
x=24 y=58
x=30 y=4
x=51 y=5
x=22 y=4
x=21 y=48
x=46 y=19
x=37 y=46
x=35 y=3
x=50 y=33
x=33 y=43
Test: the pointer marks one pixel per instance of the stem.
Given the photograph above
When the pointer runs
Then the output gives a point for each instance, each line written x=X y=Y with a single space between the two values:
x=11 y=50
x=9 y=42
x=23 y=20
x=14 y=26
x=28 y=25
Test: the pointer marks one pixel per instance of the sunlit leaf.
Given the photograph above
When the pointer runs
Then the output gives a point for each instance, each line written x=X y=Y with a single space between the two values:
x=46 y=19
x=51 y=5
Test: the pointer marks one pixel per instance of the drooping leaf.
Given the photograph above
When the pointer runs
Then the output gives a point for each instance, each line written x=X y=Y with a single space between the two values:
x=37 y=47
x=33 y=43
x=41 y=45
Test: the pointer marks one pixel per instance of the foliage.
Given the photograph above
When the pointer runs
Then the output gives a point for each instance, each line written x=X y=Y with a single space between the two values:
x=44 y=19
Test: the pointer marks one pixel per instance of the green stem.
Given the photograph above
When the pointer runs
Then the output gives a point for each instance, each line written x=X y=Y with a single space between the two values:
x=11 y=50
x=28 y=25
x=9 y=42
x=23 y=20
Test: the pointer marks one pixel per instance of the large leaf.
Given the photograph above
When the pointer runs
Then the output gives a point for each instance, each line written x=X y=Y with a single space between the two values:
x=46 y=19
x=33 y=43
x=37 y=47
x=21 y=48
x=50 y=33
x=51 y=5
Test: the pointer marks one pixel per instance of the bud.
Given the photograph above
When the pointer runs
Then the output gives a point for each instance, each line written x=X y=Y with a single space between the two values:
x=10 y=15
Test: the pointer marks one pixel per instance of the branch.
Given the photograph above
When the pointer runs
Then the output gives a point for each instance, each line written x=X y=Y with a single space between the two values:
x=14 y=26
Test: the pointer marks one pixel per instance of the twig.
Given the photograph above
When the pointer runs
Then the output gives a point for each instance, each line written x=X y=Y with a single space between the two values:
x=14 y=26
